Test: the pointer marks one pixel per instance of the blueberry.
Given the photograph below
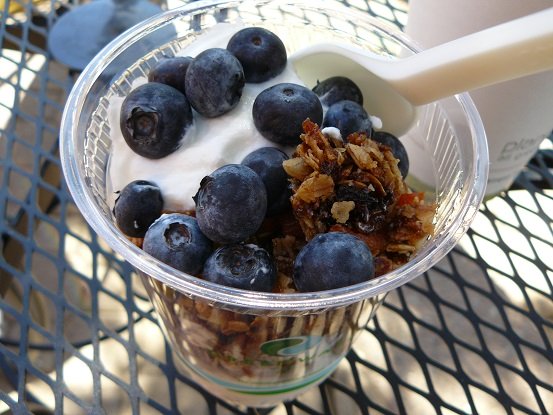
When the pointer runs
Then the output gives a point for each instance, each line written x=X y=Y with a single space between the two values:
x=397 y=147
x=170 y=71
x=279 y=111
x=332 y=260
x=338 y=88
x=244 y=266
x=176 y=240
x=231 y=204
x=214 y=82
x=267 y=163
x=154 y=118
x=349 y=117
x=138 y=205
x=261 y=53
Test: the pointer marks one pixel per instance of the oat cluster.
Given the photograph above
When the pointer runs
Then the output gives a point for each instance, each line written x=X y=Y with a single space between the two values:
x=354 y=185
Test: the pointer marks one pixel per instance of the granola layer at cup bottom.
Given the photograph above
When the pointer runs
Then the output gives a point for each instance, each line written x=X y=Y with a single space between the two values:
x=254 y=357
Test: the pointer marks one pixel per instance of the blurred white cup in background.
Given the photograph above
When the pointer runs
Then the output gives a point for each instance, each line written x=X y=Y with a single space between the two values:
x=517 y=114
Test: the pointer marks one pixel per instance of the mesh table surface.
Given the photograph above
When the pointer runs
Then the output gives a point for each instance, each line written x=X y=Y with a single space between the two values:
x=78 y=334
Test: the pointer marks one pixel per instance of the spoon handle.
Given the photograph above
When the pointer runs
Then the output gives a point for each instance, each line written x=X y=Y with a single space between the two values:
x=510 y=50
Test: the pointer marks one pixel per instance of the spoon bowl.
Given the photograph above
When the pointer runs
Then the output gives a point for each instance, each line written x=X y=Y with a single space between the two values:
x=313 y=64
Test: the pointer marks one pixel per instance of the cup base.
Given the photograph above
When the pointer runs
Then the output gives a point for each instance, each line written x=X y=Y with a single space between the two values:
x=253 y=396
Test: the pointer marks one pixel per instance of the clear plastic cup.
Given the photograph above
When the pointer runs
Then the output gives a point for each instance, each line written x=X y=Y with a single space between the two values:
x=258 y=349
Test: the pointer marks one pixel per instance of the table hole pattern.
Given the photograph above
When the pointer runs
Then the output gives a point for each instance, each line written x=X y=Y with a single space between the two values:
x=78 y=335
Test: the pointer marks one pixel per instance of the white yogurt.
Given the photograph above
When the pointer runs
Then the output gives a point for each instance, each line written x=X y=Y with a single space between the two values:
x=209 y=144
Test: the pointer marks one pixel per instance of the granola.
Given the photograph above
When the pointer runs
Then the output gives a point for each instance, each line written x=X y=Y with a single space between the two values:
x=237 y=346
x=355 y=186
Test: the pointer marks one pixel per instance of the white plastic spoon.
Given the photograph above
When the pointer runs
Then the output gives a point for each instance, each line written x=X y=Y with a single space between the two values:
x=393 y=88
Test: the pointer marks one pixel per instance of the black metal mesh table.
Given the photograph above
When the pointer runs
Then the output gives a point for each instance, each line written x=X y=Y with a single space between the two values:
x=78 y=334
